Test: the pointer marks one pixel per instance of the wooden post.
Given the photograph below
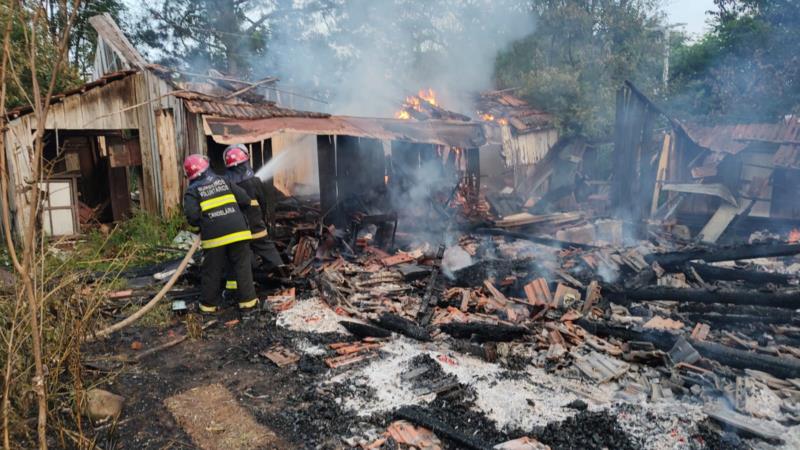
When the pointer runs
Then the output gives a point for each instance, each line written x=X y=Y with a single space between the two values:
x=326 y=160
x=168 y=155
x=661 y=173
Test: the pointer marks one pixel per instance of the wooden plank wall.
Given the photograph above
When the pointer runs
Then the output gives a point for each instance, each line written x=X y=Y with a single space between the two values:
x=18 y=147
x=170 y=177
x=140 y=95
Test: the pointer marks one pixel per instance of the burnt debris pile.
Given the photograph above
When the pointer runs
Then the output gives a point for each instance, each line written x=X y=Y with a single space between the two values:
x=663 y=323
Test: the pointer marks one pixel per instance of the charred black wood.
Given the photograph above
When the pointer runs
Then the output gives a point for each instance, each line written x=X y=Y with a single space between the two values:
x=550 y=242
x=785 y=367
x=403 y=326
x=708 y=272
x=421 y=417
x=484 y=332
x=363 y=330
x=487 y=351
x=425 y=313
x=749 y=251
x=780 y=299
x=735 y=320
x=771 y=315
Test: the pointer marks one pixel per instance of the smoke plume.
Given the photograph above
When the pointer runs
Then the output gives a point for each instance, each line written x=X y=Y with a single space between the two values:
x=365 y=56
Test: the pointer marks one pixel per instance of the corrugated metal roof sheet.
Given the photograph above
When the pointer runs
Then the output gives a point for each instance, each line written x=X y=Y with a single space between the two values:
x=732 y=139
x=451 y=133
x=197 y=104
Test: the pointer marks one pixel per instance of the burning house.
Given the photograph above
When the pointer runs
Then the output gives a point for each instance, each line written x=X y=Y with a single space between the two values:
x=123 y=135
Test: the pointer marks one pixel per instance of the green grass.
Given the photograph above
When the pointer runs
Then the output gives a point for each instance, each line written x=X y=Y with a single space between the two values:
x=139 y=240
x=158 y=317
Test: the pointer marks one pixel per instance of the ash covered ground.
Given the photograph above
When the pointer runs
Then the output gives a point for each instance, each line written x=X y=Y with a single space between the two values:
x=310 y=405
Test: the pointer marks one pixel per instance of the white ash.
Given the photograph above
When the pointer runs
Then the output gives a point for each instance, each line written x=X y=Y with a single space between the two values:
x=307 y=347
x=310 y=315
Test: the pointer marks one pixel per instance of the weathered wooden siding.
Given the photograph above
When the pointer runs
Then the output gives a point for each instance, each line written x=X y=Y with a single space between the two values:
x=170 y=181
x=130 y=103
x=529 y=148
x=19 y=147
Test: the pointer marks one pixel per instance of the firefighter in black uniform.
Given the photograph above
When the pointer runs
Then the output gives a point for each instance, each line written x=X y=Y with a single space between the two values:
x=237 y=161
x=213 y=204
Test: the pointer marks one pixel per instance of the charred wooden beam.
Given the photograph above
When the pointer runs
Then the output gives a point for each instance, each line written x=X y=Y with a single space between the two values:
x=750 y=251
x=363 y=330
x=780 y=299
x=736 y=310
x=403 y=326
x=785 y=367
x=484 y=332
x=709 y=272
x=550 y=242
x=736 y=320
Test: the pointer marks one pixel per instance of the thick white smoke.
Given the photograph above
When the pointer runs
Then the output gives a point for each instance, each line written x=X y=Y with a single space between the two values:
x=365 y=56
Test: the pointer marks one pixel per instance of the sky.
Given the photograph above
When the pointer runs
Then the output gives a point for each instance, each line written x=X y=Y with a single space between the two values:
x=690 y=12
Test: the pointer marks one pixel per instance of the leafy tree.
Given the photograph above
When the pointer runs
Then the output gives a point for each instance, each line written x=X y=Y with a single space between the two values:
x=42 y=35
x=579 y=55
x=83 y=35
x=747 y=68
x=228 y=35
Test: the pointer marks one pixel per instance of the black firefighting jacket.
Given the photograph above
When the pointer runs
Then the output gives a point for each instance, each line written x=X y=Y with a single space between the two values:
x=243 y=176
x=215 y=206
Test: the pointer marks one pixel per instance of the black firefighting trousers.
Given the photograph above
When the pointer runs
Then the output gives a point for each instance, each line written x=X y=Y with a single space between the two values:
x=265 y=249
x=217 y=261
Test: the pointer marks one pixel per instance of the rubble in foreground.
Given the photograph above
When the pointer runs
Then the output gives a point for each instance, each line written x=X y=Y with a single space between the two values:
x=659 y=343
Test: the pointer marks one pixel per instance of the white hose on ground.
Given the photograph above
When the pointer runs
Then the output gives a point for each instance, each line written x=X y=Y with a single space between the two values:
x=152 y=303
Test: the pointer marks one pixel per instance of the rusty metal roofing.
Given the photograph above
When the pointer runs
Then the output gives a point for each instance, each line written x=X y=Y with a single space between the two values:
x=102 y=81
x=439 y=132
x=517 y=112
x=210 y=106
x=732 y=139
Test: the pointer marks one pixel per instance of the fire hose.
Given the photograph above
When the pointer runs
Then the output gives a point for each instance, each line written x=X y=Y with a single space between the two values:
x=152 y=303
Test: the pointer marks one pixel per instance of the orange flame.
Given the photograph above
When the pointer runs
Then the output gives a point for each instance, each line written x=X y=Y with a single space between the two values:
x=794 y=236
x=487 y=117
x=414 y=102
x=428 y=95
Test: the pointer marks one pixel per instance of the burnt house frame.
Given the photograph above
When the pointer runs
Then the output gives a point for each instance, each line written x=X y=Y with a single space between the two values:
x=717 y=179
x=129 y=129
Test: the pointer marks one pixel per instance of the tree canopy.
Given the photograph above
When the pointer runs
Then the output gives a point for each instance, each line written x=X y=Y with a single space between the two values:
x=747 y=68
x=580 y=53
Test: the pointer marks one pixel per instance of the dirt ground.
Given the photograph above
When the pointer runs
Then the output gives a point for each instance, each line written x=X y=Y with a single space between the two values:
x=224 y=355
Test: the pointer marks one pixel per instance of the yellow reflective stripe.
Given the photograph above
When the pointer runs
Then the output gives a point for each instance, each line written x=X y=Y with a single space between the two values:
x=209 y=309
x=248 y=304
x=216 y=202
x=260 y=234
x=231 y=284
x=253 y=202
x=227 y=239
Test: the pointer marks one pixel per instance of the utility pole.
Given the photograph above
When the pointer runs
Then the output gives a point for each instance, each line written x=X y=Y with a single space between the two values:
x=666 y=29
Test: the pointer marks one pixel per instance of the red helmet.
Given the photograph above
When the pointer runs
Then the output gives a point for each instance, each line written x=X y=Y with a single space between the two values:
x=195 y=165
x=235 y=155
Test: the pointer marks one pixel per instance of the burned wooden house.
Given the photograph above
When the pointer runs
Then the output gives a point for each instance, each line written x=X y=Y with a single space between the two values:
x=120 y=140
x=733 y=178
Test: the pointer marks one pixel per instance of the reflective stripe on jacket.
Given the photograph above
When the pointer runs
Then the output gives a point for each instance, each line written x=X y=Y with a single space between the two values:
x=213 y=204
